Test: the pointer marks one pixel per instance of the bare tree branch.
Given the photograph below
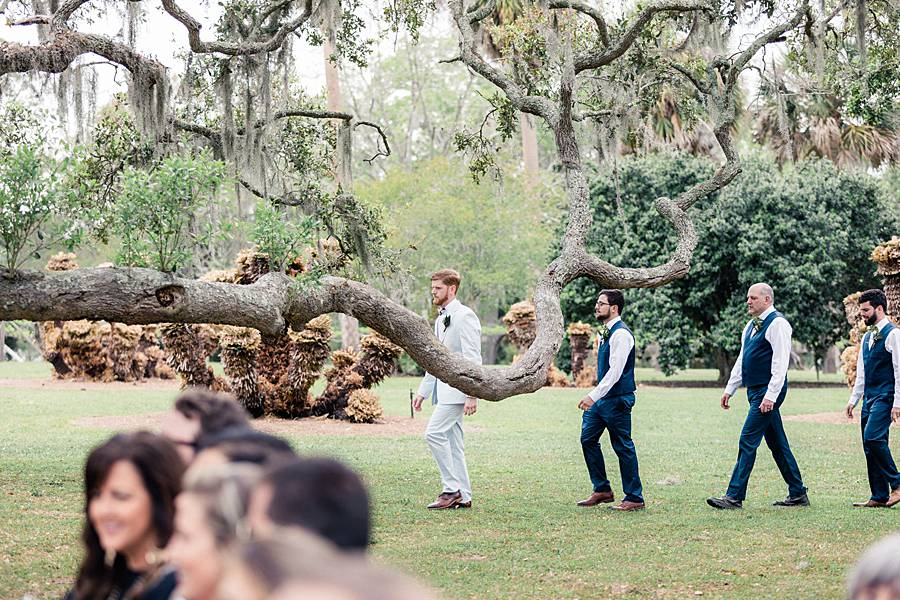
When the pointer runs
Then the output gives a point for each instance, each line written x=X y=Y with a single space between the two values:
x=387 y=147
x=232 y=49
x=767 y=37
x=594 y=60
x=701 y=87
x=588 y=10
x=468 y=54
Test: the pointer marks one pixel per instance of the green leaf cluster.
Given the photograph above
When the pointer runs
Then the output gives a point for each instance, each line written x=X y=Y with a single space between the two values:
x=155 y=214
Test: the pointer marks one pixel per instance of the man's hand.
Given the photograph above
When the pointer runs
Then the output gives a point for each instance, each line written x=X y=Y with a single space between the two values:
x=766 y=406
x=586 y=403
x=725 y=399
x=417 y=402
x=848 y=410
x=895 y=414
x=470 y=406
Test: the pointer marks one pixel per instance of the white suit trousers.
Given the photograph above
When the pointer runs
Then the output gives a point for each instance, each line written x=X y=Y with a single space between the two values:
x=445 y=439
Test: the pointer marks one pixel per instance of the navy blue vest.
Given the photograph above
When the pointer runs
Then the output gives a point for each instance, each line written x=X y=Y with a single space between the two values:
x=878 y=367
x=625 y=384
x=756 y=367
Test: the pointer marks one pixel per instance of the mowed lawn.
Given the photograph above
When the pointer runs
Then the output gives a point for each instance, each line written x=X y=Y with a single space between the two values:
x=524 y=537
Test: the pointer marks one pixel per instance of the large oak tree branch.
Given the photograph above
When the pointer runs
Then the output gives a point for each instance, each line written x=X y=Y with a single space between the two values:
x=139 y=296
x=193 y=27
x=55 y=55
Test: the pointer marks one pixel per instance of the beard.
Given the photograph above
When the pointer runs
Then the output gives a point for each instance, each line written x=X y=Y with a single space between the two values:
x=871 y=320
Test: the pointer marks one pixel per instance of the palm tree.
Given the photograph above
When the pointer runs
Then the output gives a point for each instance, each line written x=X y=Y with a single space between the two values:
x=797 y=122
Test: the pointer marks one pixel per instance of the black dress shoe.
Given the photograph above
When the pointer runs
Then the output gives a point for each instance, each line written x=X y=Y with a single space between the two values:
x=802 y=500
x=724 y=503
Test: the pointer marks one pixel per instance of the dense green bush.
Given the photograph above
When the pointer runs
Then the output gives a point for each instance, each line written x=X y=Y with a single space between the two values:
x=807 y=229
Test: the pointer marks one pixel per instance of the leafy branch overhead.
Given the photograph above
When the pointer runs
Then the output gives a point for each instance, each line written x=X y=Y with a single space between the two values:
x=582 y=72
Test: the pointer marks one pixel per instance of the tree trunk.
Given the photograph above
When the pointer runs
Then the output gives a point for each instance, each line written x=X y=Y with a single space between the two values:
x=529 y=147
x=724 y=362
x=349 y=325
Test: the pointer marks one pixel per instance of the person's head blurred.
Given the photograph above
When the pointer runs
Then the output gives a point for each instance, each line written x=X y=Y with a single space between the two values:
x=199 y=411
x=294 y=564
x=209 y=518
x=876 y=575
x=241 y=445
x=130 y=484
x=318 y=494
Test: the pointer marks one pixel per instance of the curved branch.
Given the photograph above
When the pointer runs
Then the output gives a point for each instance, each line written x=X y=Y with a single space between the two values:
x=231 y=49
x=594 y=60
x=701 y=87
x=65 y=12
x=480 y=13
x=381 y=134
x=588 y=10
x=772 y=35
x=140 y=296
x=66 y=45
x=534 y=105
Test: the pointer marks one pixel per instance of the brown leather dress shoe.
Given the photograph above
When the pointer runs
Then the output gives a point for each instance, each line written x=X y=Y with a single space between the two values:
x=869 y=504
x=596 y=498
x=446 y=500
x=894 y=498
x=627 y=506
x=461 y=504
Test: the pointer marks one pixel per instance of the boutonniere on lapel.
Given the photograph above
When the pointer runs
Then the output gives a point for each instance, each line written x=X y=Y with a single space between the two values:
x=757 y=324
x=603 y=332
x=876 y=333
x=446 y=322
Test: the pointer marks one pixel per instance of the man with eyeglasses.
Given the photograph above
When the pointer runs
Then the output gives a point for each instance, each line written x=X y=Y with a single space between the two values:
x=608 y=407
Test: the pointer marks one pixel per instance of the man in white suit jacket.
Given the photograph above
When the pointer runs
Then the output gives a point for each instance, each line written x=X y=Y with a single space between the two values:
x=459 y=329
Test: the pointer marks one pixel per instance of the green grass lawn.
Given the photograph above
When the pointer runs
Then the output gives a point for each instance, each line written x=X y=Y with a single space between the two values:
x=524 y=538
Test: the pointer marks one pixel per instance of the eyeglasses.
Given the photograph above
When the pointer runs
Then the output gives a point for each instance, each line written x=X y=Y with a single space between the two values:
x=603 y=304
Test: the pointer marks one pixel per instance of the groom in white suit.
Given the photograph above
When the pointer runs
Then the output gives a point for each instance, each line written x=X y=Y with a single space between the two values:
x=459 y=329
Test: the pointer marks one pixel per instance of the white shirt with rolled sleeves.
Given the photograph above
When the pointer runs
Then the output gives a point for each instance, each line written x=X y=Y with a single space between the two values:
x=892 y=345
x=620 y=344
x=462 y=336
x=778 y=334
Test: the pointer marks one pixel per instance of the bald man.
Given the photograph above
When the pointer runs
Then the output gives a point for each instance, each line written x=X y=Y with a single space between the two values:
x=762 y=368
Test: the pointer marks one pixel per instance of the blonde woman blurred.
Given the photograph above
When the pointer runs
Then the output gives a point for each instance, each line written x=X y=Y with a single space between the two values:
x=209 y=518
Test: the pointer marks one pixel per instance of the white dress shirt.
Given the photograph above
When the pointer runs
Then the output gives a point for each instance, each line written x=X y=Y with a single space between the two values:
x=620 y=344
x=463 y=336
x=778 y=334
x=892 y=345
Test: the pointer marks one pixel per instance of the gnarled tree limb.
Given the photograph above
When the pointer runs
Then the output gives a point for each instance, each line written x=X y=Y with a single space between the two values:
x=594 y=60
x=193 y=27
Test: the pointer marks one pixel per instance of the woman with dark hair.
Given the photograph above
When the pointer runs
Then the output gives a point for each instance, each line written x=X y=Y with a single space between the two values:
x=130 y=484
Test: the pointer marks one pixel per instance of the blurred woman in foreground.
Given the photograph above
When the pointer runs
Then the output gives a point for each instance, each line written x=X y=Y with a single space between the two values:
x=130 y=484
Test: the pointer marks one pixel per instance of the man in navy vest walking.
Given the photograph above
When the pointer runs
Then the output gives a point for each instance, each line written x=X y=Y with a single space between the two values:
x=762 y=368
x=608 y=407
x=877 y=374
